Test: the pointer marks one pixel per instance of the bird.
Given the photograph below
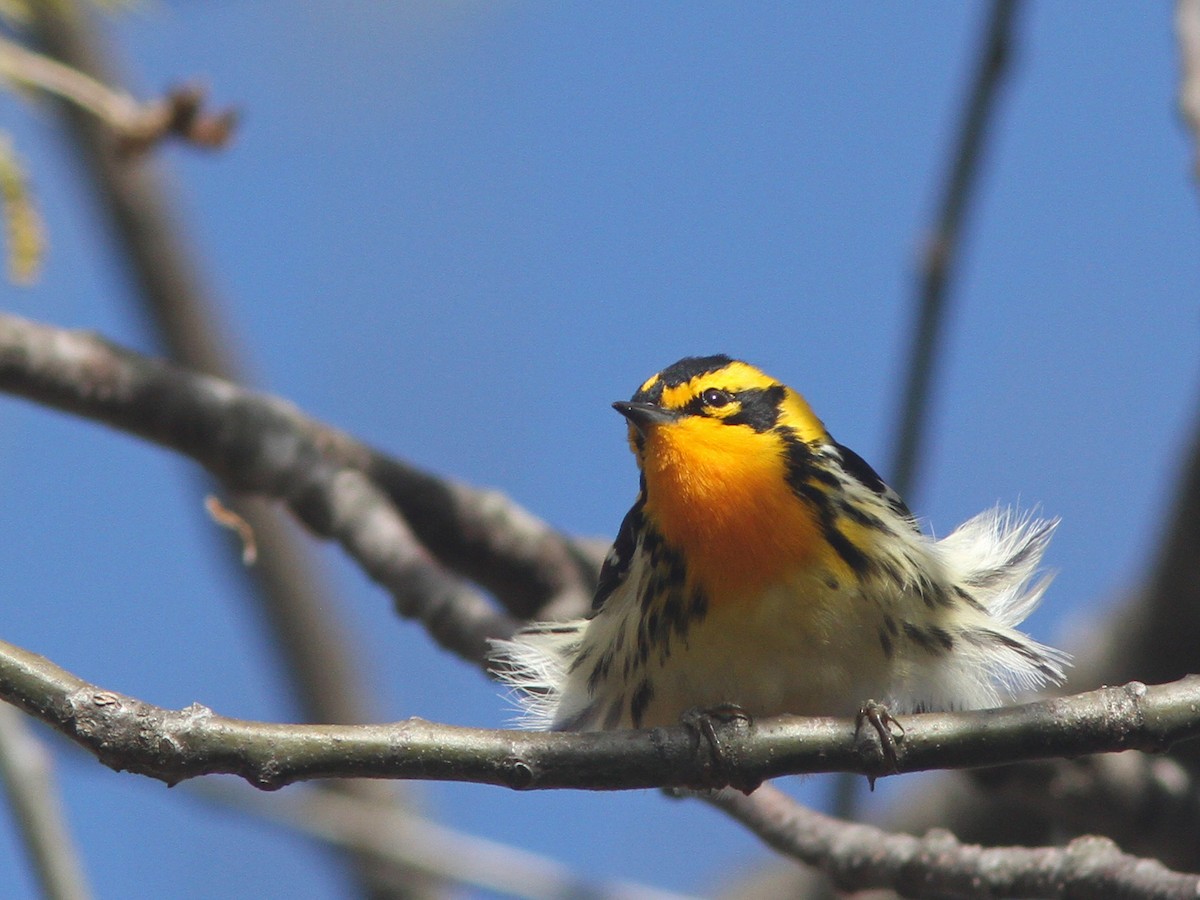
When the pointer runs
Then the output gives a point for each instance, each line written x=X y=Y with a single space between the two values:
x=766 y=568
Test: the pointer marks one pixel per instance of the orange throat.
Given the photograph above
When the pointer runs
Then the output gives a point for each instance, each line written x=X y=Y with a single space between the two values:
x=720 y=497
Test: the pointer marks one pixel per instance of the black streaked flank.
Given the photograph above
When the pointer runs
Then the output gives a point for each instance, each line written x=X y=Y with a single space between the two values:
x=850 y=554
x=641 y=699
x=860 y=516
x=600 y=672
x=967 y=598
x=931 y=593
x=674 y=611
x=799 y=469
x=885 y=641
x=825 y=476
x=643 y=647
x=799 y=462
x=925 y=641
x=859 y=469
x=613 y=717
x=1012 y=644
x=651 y=623
x=934 y=639
x=942 y=636
x=620 y=557
x=580 y=658
x=981 y=637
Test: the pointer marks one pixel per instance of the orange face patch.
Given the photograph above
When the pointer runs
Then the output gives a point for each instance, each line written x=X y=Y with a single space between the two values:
x=718 y=494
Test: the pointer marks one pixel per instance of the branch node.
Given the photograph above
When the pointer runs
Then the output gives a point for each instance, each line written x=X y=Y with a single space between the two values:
x=520 y=774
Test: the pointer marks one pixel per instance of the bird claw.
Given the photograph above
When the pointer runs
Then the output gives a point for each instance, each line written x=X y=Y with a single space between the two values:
x=881 y=720
x=705 y=722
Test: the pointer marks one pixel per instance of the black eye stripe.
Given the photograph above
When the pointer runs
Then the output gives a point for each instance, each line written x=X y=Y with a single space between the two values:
x=760 y=407
x=756 y=407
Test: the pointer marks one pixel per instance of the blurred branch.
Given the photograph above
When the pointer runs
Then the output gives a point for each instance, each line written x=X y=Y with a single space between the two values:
x=450 y=855
x=34 y=798
x=256 y=443
x=137 y=126
x=940 y=252
x=1147 y=804
x=858 y=857
x=128 y=734
x=533 y=570
x=1187 y=27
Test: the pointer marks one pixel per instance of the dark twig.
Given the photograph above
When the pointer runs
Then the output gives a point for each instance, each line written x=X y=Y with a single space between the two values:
x=940 y=251
x=136 y=126
x=173 y=745
x=858 y=857
x=255 y=444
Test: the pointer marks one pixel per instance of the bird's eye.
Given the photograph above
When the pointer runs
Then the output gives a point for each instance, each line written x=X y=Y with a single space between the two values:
x=716 y=398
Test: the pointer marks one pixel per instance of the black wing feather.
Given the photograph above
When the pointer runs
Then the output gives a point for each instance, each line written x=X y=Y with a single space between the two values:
x=620 y=557
x=861 y=471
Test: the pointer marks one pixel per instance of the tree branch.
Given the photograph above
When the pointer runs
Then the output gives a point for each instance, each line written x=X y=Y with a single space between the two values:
x=253 y=443
x=137 y=126
x=858 y=857
x=128 y=734
x=940 y=251
x=257 y=443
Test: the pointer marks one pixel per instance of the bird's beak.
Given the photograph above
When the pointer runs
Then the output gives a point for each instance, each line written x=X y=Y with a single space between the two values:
x=644 y=415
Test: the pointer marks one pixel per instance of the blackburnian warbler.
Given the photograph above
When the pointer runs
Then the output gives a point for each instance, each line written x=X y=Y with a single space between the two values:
x=766 y=567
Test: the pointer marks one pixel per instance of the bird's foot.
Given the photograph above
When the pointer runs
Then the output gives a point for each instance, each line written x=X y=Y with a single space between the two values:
x=882 y=721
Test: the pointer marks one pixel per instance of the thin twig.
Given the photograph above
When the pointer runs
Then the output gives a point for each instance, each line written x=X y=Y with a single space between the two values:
x=35 y=801
x=257 y=444
x=138 y=126
x=128 y=734
x=939 y=254
x=858 y=857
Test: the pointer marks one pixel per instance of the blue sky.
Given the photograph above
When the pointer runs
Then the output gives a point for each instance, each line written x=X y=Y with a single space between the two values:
x=461 y=230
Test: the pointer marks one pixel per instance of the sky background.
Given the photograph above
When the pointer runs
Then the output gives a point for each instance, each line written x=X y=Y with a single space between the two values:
x=460 y=230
